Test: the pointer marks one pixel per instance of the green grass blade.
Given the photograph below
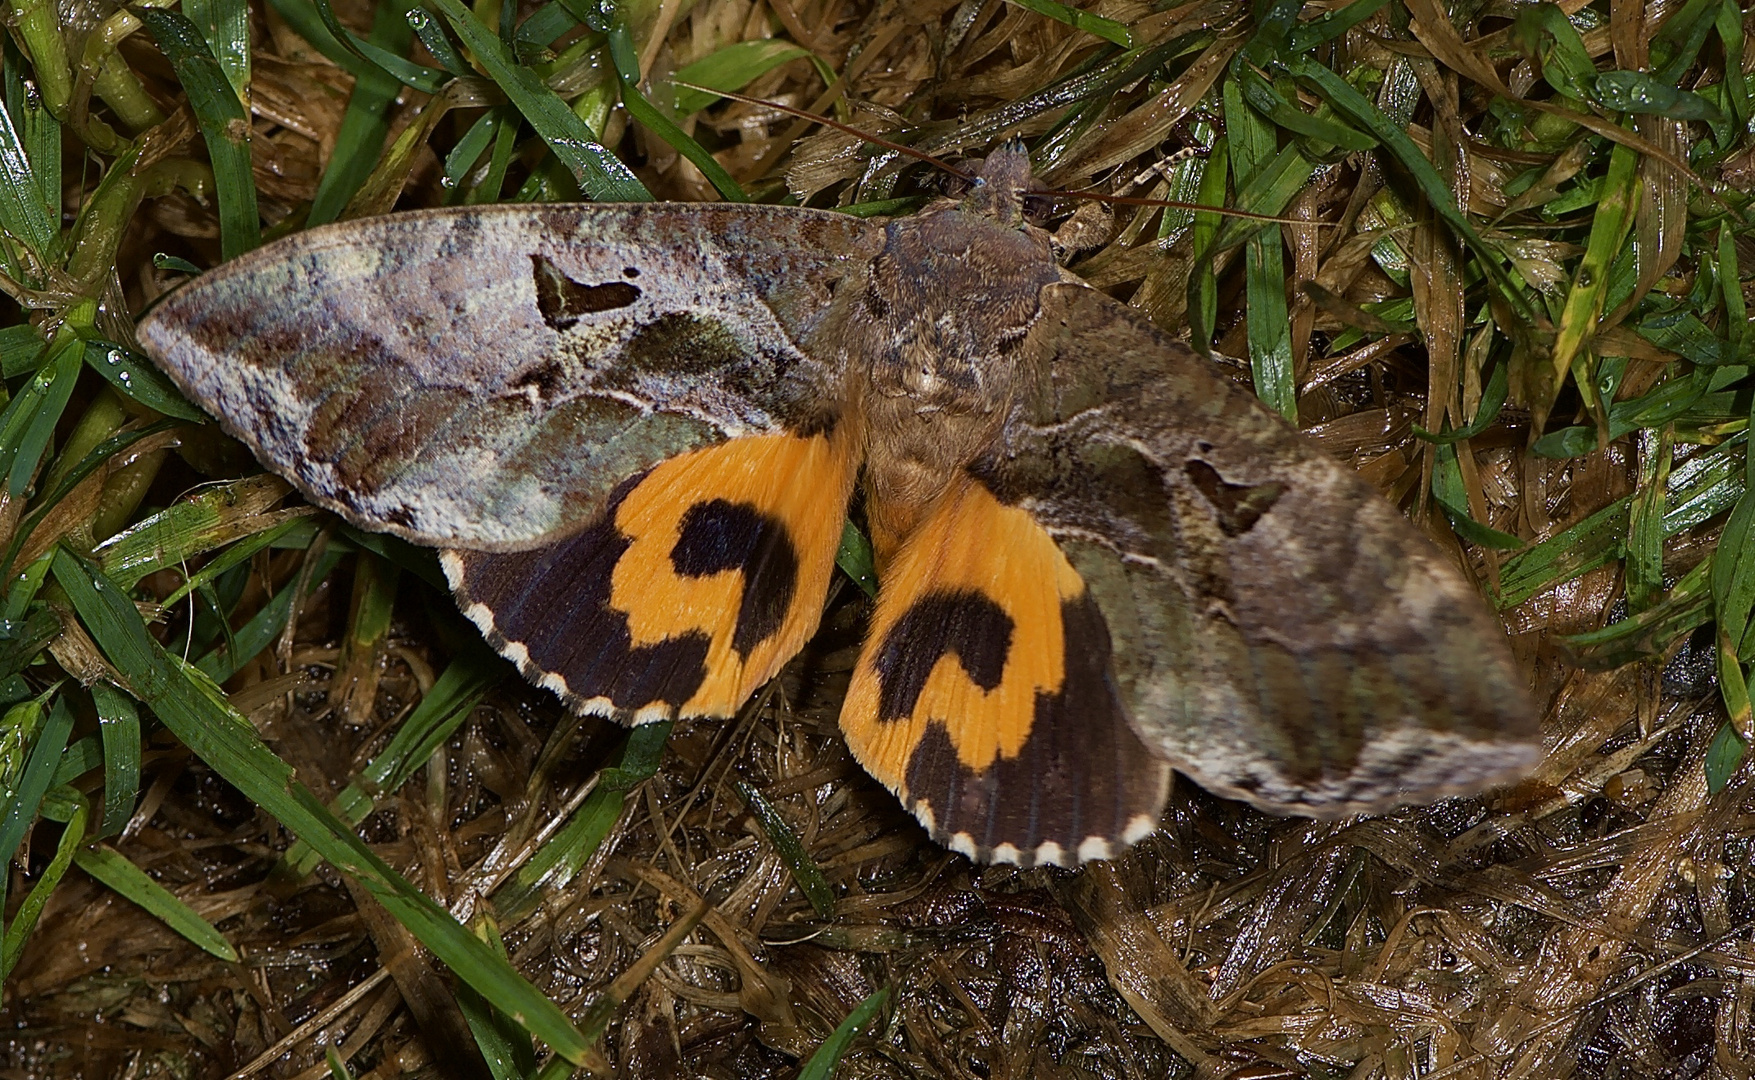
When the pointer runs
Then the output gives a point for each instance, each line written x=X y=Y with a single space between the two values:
x=731 y=68
x=22 y=639
x=111 y=867
x=137 y=378
x=1266 y=99
x=627 y=69
x=1451 y=494
x=1349 y=102
x=474 y=143
x=39 y=769
x=856 y=560
x=600 y=174
x=1308 y=35
x=454 y=695
x=1493 y=397
x=25 y=212
x=791 y=850
x=29 y=421
x=41 y=134
x=304 y=19
x=1637 y=92
x=1096 y=25
x=25 y=919
x=1723 y=757
x=224 y=125
x=827 y=1059
x=234 y=555
x=264 y=626
x=1729 y=23
x=119 y=724
x=366 y=123
x=385 y=60
x=431 y=31
x=21 y=350
x=225 y=24
x=1645 y=527
x=1610 y=221
x=571 y=847
x=1253 y=150
x=494 y=181
x=195 y=711
x=211 y=518
x=1203 y=283
x=1699 y=489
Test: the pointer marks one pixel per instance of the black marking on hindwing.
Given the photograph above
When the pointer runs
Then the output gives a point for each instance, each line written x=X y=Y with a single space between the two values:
x=963 y=622
x=1239 y=506
x=1081 y=772
x=563 y=301
x=554 y=601
x=719 y=535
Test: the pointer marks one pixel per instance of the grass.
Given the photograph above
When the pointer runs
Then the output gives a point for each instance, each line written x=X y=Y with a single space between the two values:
x=271 y=807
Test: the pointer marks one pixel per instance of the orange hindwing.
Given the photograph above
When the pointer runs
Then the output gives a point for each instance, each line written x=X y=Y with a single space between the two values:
x=705 y=575
x=984 y=696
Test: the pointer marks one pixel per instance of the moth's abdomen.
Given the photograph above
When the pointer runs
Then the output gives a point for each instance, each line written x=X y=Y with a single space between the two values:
x=704 y=575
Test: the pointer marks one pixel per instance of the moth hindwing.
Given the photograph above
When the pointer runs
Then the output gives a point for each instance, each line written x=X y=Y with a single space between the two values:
x=635 y=431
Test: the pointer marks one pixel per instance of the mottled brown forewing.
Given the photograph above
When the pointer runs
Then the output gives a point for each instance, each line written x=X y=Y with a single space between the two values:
x=1281 y=632
x=484 y=377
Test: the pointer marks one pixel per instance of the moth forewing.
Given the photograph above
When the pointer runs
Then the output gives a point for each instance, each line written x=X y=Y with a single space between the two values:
x=1282 y=633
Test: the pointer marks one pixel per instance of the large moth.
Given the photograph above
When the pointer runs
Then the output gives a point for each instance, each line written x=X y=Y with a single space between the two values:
x=634 y=432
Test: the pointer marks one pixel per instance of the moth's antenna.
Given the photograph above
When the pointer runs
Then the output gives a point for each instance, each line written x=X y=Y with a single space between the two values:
x=921 y=155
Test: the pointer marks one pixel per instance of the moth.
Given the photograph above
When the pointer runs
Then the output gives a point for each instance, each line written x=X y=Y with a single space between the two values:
x=634 y=432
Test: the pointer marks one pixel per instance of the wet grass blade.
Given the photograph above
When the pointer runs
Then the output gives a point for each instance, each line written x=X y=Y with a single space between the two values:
x=731 y=68
x=136 y=377
x=53 y=724
x=1699 y=489
x=827 y=1059
x=225 y=24
x=366 y=124
x=1610 y=221
x=195 y=710
x=111 y=867
x=791 y=850
x=600 y=174
x=453 y=697
x=24 y=920
x=1648 y=634
x=303 y=17
x=119 y=725
x=264 y=626
x=627 y=69
x=1253 y=151
x=21 y=350
x=212 y=518
x=1097 y=25
x=566 y=853
x=24 y=212
x=386 y=61
x=30 y=419
x=238 y=553
x=1645 y=528
x=1349 y=102
x=856 y=560
x=224 y=125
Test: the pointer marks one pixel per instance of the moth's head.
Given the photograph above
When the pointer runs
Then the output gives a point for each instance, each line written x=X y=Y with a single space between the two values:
x=1001 y=185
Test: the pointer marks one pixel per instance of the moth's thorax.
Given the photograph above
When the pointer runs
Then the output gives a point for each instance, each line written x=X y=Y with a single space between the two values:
x=946 y=310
